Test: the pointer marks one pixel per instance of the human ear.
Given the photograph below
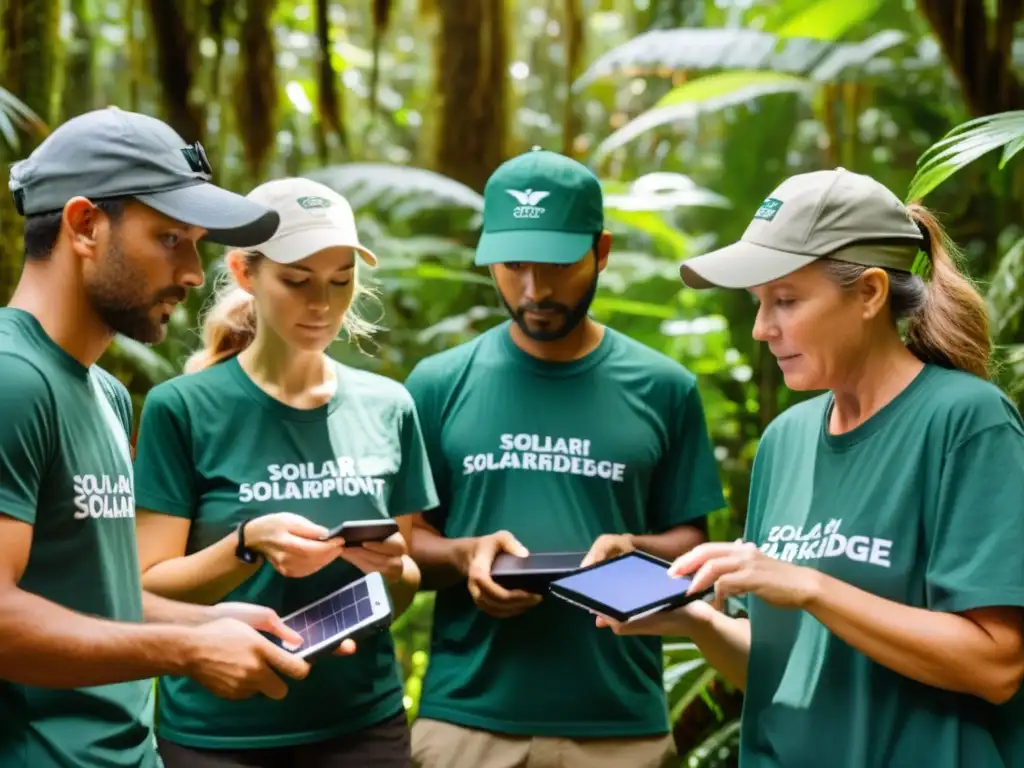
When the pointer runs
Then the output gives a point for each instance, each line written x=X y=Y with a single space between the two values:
x=238 y=262
x=80 y=223
x=604 y=247
x=873 y=291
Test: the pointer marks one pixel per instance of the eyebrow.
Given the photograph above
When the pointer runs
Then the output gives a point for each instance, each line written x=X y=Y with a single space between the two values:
x=344 y=268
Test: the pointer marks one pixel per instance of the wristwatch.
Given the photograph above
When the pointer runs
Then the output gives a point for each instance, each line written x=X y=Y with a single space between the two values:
x=243 y=552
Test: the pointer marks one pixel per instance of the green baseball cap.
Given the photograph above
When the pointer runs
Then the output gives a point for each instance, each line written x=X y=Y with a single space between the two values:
x=111 y=153
x=540 y=207
x=835 y=214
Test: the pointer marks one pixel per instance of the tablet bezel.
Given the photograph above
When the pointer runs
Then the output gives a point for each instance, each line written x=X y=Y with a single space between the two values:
x=583 y=601
x=534 y=579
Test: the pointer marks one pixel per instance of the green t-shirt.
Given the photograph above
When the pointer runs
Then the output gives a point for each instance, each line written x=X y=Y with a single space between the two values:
x=922 y=505
x=214 y=448
x=558 y=454
x=65 y=468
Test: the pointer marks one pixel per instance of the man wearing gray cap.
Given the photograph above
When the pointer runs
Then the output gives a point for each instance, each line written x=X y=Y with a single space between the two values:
x=114 y=203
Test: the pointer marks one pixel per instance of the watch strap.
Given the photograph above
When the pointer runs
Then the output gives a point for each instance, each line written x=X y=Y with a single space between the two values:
x=242 y=552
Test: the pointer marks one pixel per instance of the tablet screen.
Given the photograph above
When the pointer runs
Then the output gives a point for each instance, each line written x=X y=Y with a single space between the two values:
x=627 y=585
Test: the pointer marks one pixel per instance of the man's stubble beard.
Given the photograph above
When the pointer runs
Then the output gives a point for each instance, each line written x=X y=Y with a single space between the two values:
x=117 y=294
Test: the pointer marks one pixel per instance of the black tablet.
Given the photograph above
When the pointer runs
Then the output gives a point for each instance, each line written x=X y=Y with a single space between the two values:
x=626 y=587
x=535 y=572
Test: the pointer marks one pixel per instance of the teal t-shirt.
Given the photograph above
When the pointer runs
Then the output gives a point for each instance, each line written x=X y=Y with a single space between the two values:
x=214 y=448
x=558 y=454
x=65 y=468
x=922 y=505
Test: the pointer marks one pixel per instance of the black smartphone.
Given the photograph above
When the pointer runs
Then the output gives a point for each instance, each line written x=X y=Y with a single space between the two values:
x=627 y=587
x=358 y=532
x=536 y=571
x=357 y=610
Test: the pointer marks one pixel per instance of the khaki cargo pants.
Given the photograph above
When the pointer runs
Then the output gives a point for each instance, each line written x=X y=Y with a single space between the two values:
x=436 y=744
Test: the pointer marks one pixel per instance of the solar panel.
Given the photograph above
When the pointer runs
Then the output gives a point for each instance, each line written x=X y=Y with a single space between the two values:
x=332 y=615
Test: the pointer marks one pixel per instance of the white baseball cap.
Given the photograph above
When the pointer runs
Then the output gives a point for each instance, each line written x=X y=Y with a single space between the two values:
x=313 y=217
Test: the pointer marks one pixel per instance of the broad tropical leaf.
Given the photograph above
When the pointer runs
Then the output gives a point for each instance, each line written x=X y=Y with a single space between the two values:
x=717 y=749
x=386 y=186
x=965 y=144
x=1005 y=295
x=689 y=49
x=662 y=191
x=143 y=359
x=727 y=89
x=828 y=19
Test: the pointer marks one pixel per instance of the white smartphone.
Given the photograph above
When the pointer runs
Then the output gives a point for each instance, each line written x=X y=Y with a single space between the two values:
x=357 y=610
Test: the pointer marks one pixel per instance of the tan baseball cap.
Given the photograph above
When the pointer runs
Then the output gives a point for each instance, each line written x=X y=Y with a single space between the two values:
x=313 y=217
x=812 y=216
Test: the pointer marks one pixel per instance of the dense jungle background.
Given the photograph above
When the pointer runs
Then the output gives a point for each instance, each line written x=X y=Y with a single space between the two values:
x=691 y=111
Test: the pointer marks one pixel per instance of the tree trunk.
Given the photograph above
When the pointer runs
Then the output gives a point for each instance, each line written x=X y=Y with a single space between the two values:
x=31 y=73
x=471 y=90
x=979 y=51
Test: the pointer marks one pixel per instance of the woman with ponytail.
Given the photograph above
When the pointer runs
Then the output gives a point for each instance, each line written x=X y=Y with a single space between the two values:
x=245 y=463
x=882 y=566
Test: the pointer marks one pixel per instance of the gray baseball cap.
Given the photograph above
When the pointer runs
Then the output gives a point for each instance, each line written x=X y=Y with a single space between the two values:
x=834 y=214
x=112 y=153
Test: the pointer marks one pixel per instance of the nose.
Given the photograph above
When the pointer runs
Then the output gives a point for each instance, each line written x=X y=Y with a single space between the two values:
x=318 y=299
x=765 y=328
x=192 y=274
x=535 y=288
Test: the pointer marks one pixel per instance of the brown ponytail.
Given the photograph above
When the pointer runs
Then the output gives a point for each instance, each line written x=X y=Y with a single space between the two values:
x=228 y=327
x=952 y=328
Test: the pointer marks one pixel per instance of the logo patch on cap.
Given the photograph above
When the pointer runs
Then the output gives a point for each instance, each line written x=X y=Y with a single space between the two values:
x=312 y=201
x=768 y=209
x=196 y=158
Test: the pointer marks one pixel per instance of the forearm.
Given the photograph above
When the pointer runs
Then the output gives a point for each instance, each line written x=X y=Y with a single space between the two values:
x=924 y=645
x=50 y=646
x=442 y=562
x=725 y=643
x=160 y=610
x=203 y=577
x=672 y=543
x=404 y=590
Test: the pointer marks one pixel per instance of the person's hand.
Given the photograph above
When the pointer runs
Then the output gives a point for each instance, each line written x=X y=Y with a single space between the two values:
x=266 y=619
x=740 y=568
x=679 y=622
x=489 y=597
x=234 y=661
x=607 y=546
x=290 y=543
x=383 y=556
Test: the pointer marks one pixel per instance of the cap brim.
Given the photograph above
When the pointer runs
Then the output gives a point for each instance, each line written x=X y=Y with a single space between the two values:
x=740 y=265
x=228 y=218
x=299 y=245
x=533 y=245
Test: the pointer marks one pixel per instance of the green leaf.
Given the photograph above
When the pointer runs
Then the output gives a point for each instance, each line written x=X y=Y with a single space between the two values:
x=383 y=184
x=724 y=92
x=715 y=86
x=629 y=307
x=829 y=19
x=965 y=144
x=654 y=226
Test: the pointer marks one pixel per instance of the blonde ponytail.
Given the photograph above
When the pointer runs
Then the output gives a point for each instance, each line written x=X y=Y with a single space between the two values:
x=228 y=328
x=951 y=329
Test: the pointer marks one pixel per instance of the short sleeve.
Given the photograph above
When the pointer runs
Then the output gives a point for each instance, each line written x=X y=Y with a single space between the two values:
x=414 y=485
x=422 y=386
x=686 y=486
x=975 y=535
x=164 y=467
x=27 y=437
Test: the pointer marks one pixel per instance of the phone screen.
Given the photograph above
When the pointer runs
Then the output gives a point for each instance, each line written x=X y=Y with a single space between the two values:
x=627 y=584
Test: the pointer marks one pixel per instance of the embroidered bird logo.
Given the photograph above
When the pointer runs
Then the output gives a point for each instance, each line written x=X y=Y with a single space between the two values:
x=528 y=196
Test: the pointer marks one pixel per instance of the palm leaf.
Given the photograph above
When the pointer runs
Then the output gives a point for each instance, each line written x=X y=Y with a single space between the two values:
x=716 y=748
x=15 y=114
x=965 y=144
x=661 y=51
x=382 y=185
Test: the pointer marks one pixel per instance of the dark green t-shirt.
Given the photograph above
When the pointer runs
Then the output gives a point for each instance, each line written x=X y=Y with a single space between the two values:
x=922 y=505
x=65 y=468
x=214 y=448
x=558 y=454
